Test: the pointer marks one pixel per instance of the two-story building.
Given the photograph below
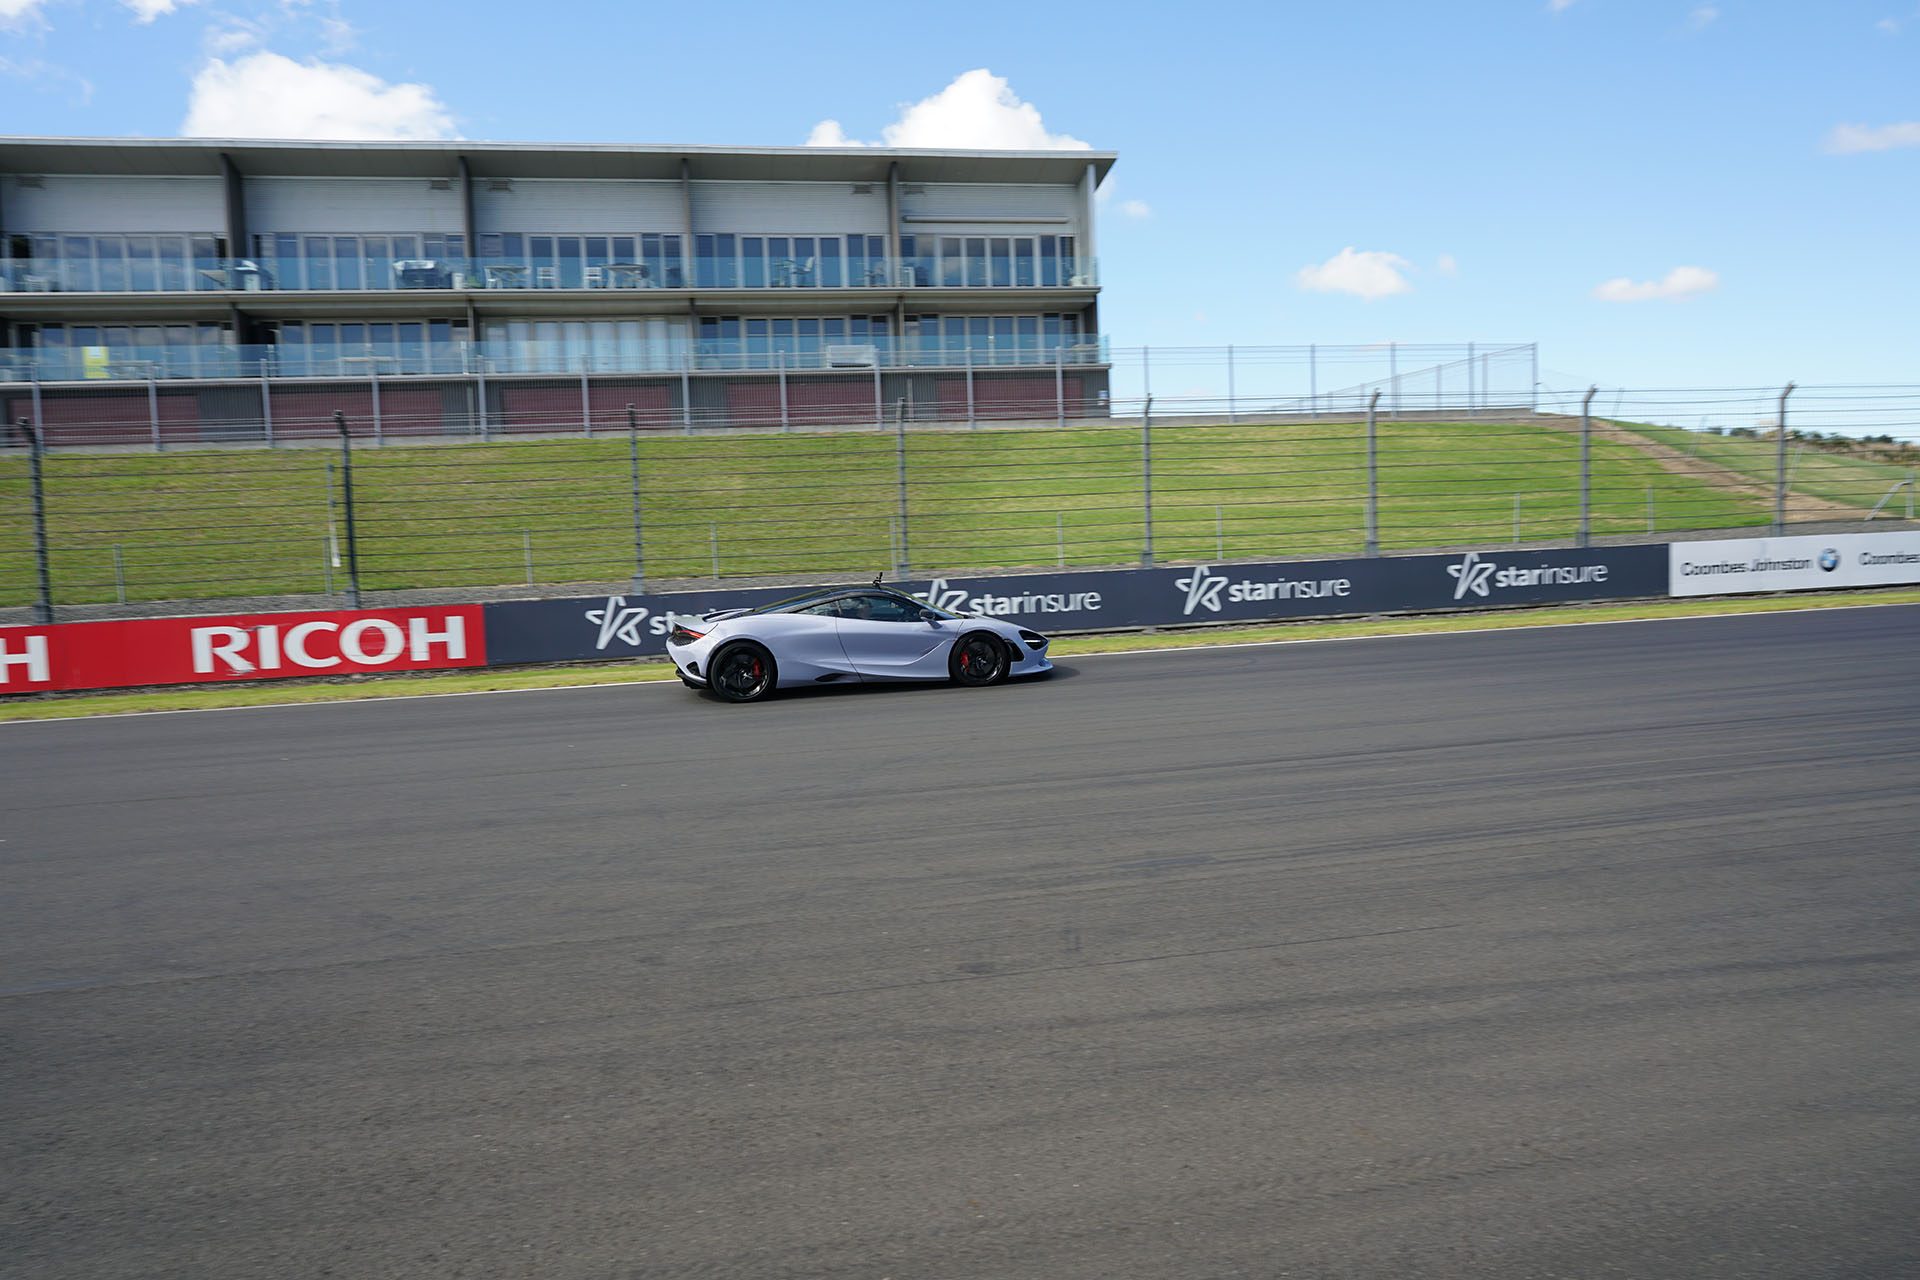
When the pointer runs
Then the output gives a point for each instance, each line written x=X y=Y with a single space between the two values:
x=712 y=283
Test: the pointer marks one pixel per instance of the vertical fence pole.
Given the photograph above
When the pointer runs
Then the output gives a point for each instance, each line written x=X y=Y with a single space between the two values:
x=379 y=422
x=1470 y=400
x=480 y=398
x=879 y=405
x=1059 y=386
x=900 y=461
x=586 y=401
x=153 y=411
x=1393 y=376
x=1313 y=379
x=1146 y=480
x=972 y=421
x=119 y=576
x=1373 y=476
x=526 y=545
x=1533 y=376
x=1146 y=373
x=633 y=471
x=1911 y=476
x=686 y=391
x=346 y=499
x=326 y=546
x=1232 y=407
x=1780 y=466
x=1586 y=466
x=780 y=358
x=266 y=406
x=43 y=596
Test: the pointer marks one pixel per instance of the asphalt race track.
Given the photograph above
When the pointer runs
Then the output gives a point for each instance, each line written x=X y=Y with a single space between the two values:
x=1581 y=952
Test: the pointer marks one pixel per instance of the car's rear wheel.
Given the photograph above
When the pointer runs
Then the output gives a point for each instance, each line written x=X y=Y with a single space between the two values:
x=978 y=659
x=742 y=672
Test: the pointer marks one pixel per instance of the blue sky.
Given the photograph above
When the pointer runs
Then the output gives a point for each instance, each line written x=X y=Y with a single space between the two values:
x=1491 y=166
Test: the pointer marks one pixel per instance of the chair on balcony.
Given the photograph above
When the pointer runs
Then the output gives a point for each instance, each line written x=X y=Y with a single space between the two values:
x=593 y=278
x=546 y=278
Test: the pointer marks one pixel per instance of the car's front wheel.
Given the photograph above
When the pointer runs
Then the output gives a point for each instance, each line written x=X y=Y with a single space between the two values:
x=978 y=659
x=742 y=672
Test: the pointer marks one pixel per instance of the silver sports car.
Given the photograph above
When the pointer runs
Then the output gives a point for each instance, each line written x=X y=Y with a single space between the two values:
x=848 y=635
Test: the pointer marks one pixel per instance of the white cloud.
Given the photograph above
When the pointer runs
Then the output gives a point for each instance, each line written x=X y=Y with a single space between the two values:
x=979 y=111
x=1851 y=139
x=1446 y=265
x=1136 y=208
x=145 y=11
x=1369 y=274
x=16 y=13
x=266 y=95
x=1681 y=282
x=221 y=41
x=1702 y=16
x=1559 y=6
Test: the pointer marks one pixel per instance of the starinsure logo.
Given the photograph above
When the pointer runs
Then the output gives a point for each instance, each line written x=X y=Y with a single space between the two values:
x=618 y=620
x=1212 y=591
x=992 y=605
x=1476 y=576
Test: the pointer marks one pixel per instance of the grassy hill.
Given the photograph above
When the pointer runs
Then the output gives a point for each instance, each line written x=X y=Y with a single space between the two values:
x=236 y=523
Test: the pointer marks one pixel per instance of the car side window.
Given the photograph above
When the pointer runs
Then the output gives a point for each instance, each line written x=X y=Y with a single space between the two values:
x=825 y=609
x=881 y=608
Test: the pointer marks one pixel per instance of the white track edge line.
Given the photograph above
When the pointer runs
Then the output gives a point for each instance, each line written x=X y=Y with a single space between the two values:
x=670 y=682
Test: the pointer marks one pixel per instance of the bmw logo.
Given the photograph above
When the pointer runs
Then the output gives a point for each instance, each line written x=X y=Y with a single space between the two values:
x=1829 y=560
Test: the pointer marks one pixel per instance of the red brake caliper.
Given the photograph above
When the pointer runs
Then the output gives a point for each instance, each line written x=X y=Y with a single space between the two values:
x=966 y=663
x=756 y=668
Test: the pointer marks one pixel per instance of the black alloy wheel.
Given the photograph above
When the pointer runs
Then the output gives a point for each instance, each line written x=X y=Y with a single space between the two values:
x=742 y=672
x=978 y=659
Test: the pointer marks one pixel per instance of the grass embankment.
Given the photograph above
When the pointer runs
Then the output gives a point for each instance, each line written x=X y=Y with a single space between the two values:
x=198 y=525
x=1850 y=481
x=289 y=693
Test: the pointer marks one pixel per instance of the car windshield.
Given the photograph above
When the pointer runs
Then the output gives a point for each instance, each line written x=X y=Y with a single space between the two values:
x=807 y=599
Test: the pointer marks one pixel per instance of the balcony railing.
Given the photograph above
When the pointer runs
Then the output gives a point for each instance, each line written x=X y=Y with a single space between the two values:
x=148 y=363
x=333 y=275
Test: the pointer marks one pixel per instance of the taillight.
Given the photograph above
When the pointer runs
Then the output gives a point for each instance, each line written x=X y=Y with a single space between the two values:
x=680 y=635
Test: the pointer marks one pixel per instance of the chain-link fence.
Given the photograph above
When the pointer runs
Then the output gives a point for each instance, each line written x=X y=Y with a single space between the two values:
x=126 y=528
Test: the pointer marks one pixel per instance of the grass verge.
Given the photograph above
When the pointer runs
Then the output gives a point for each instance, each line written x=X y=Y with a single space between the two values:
x=291 y=693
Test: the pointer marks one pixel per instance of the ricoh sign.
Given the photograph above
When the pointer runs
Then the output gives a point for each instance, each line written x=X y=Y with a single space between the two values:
x=155 y=651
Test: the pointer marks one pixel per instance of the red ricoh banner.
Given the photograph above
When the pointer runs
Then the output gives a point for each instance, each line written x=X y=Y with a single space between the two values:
x=255 y=646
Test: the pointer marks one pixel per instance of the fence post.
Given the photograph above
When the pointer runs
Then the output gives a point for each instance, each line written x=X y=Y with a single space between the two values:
x=43 y=598
x=633 y=470
x=972 y=421
x=586 y=402
x=686 y=391
x=1471 y=406
x=153 y=412
x=1373 y=477
x=480 y=397
x=379 y=428
x=1146 y=479
x=119 y=576
x=1313 y=379
x=900 y=459
x=1780 y=467
x=1393 y=373
x=879 y=405
x=1586 y=466
x=1533 y=385
x=266 y=405
x=1059 y=385
x=526 y=543
x=346 y=499
x=1146 y=373
x=780 y=362
x=39 y=420
x=1232 y=414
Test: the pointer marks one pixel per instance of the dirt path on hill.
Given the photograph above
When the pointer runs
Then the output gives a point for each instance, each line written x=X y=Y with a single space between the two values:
x=1801 y=507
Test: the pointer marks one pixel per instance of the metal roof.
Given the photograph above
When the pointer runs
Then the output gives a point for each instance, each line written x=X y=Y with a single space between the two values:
x=201 y=157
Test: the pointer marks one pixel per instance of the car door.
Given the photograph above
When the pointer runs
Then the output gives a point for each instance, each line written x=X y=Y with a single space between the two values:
x=806 y=642
x=887 y=637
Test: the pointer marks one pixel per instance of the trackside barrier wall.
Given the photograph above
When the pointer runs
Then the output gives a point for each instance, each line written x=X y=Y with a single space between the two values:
x=525 y=631
x=260 y=646
x=159 y=651
x=1814 y=563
